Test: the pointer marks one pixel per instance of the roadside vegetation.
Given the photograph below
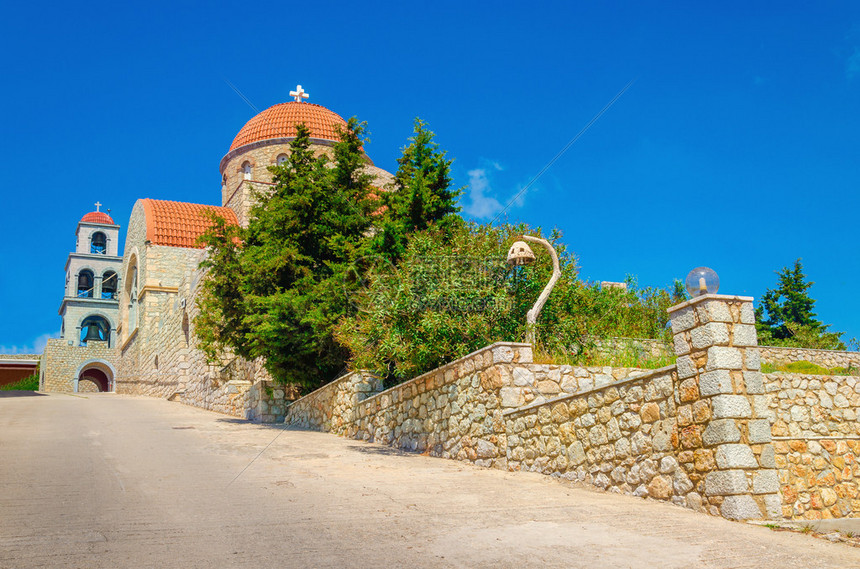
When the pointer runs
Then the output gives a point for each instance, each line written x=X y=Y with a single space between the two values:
x=30 y=383
x=333 y=274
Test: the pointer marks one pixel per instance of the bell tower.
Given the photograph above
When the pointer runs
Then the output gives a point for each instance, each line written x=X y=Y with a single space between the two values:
x=91 y=301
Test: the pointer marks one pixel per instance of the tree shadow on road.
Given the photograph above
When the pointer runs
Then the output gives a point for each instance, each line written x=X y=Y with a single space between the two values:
x=21 y=394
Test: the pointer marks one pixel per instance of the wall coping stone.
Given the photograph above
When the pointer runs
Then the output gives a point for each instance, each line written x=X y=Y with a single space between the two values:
x=449 y=365
x=704 y=297
x=628 y=379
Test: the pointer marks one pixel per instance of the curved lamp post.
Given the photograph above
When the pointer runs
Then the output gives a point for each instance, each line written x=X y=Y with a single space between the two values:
x=521 y=254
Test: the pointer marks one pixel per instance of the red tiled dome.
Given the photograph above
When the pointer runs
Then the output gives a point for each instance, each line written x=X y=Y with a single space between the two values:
x=280 y=121
x=97 y=217
x=179 y=224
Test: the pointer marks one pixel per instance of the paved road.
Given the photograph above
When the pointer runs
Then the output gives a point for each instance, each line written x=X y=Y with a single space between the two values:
x=111 y=481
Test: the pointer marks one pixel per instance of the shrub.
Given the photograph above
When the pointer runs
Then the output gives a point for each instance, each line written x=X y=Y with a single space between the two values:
x=452 y=293
x=30 y=383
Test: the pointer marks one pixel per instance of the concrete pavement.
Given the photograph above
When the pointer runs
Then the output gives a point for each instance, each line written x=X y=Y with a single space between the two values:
x=100 y=480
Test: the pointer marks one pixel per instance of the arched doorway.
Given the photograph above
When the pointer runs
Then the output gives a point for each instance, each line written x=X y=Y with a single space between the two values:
x=94 y=377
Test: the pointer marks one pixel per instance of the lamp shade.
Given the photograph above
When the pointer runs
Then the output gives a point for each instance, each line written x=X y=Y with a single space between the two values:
x=702 y=280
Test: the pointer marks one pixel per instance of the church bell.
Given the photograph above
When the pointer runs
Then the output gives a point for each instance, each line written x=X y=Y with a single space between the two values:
x=93 y=333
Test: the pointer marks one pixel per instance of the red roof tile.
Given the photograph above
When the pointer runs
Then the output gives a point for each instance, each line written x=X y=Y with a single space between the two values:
x=179 y=224
x=97 y=217
x=280 y=121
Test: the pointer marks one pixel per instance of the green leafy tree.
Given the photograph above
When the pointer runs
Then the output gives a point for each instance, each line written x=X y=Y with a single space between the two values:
x=785 y=316
x=275 y=289
x=278 y=288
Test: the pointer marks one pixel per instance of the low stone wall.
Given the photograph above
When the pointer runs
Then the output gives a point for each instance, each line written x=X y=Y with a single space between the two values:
x=809 y=406
x=454 y=411
x=819 y=478
x=331 y=408
x=825 y=358
x=537 y=383
x=817 y=441
x=621 y=437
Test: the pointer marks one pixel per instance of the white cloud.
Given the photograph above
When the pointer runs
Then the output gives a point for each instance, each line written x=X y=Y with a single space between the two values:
x=852 y=66
x=37 y=347
x=483 y=205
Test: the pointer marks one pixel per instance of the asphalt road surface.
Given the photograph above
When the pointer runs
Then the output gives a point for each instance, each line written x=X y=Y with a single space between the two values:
x=109 y=481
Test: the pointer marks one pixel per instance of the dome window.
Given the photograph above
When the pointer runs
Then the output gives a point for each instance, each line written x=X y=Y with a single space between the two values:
x=281 y=159
x=246 y=170
x=98 y=243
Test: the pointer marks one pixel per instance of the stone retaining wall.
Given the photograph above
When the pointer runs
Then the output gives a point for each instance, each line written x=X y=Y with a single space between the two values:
x=817 y=441
x=711 y=433
x=621 y=437
x=454 y=411
x=825 y=358
x=331 y=408
x=536 y=383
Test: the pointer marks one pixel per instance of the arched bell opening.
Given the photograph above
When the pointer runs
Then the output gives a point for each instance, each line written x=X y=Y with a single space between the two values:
x=95 y=328
x=98 y=243
x=85 y=284
x=109 y=284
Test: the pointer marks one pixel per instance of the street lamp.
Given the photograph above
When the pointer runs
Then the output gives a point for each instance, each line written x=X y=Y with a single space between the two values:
x=702 y=280
x=521 y=254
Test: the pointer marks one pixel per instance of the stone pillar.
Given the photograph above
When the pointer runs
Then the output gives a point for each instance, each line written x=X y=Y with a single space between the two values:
x=715 y=341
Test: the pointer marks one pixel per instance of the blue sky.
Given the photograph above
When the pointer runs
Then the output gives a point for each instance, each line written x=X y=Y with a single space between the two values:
x=736 y=147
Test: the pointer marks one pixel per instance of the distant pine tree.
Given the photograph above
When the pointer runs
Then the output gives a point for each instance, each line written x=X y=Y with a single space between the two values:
x=785 y=315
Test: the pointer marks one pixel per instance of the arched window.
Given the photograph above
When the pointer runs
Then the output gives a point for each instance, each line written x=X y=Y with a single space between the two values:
x=98 y=243
x=281 y=159
x=109 y=284
x=95 y=328
x=85 y=284
x=246 y=170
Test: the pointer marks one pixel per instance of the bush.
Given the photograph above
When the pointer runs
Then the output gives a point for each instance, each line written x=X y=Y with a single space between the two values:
x=30 y=383
x=453 y=292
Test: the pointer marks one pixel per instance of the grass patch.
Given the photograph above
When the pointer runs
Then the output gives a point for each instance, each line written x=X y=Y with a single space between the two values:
x=807 y=368
x=30 y=383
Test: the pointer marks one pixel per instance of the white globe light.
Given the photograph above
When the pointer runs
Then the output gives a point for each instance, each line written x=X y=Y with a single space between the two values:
x=702 y=280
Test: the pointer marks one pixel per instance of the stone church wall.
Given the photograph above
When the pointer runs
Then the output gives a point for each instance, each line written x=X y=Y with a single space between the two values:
x=161 y=358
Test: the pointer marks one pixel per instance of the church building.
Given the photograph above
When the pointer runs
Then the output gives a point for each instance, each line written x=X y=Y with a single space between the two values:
x=130 y=318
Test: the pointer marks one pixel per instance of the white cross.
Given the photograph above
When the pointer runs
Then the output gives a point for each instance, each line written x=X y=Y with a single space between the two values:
x=299 y=94
x=98 y=205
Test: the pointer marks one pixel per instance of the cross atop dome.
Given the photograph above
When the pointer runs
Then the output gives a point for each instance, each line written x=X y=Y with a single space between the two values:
x=98 y=205
x=299 y=94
